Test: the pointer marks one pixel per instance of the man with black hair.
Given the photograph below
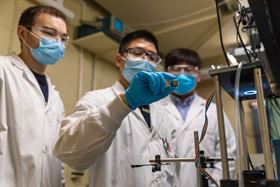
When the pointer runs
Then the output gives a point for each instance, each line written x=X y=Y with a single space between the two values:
x=185 y=112
x=31 y=109
x=116 y=127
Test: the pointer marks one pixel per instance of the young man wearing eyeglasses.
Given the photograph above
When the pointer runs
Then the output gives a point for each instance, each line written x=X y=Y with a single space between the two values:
x=185 y=112
x=31 y=109
x=119 y=126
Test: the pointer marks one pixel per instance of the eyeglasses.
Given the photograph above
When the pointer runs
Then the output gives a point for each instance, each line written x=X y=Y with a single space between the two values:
x=52 y=34
x=183 y=68
x=139 y=52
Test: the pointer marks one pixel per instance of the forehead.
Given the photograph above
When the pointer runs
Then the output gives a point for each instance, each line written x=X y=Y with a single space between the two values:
x=54 y=22
x=183 y=66
x=148 y=46
x=184 y=63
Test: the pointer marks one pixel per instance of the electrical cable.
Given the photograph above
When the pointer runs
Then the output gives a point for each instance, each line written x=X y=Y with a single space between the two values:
x=167 y=21
x=246 y=20
x=203 y=171
x=203 y=133
x=240 y=38
x=178 y=18
x=220 y=32
x=205 y=126
x=250 y=162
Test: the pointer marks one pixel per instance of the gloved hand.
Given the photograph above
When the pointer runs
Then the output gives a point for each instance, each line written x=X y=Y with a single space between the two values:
x=148 y=87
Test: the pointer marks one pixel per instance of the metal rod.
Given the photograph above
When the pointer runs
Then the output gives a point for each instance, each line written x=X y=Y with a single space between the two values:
x=244 y=144
x=196 y=148
x=263 y=125
x=215 y=159
x=221 y=126
x=174 y=160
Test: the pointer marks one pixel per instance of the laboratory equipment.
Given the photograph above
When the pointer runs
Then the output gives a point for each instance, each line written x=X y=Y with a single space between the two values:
x=200 y=160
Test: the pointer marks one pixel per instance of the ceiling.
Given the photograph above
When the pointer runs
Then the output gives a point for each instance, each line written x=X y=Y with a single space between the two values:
x=181 y=23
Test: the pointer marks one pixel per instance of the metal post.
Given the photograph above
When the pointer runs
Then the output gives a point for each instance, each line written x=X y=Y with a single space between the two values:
x=244 y=153
x=164 y=160
x=263 y=125
x=196 y=146
x=222 y=135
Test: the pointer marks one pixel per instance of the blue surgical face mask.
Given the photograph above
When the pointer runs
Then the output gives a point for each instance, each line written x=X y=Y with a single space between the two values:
x=133 y=66
x=187 y=83
x=49 y=51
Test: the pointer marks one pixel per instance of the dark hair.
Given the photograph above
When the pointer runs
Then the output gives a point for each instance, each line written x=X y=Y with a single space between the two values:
x=182 y=56
x=30 y=14
x=139 y=34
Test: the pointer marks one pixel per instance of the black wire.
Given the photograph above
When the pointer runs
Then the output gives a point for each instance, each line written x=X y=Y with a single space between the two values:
x=240 y=38
x=237 y=37
x=250 y=162
x=248 y=23
x=220 y=32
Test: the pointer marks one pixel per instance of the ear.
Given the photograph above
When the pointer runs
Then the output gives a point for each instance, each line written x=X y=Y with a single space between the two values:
x=118 y=60
x=198 y=78
x=21 y=32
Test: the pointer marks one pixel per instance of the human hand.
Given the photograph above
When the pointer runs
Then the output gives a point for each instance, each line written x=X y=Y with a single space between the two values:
x=148 y=87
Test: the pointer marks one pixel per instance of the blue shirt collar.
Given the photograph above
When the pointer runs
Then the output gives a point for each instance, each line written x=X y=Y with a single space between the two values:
x=183 y=106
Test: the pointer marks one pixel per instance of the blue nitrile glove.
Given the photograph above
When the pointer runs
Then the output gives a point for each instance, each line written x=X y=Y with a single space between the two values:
x=148 y=87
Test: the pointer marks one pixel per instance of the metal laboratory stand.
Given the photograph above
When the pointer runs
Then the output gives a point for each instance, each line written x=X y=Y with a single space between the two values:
x=202 y=162
x=218 y=76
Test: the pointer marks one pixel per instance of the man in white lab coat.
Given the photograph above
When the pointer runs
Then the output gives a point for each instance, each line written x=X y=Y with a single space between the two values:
x=185 y=110
x=30 y=108
x=110 y=129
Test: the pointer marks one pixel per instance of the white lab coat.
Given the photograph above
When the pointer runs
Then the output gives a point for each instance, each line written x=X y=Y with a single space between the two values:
x=29 y=128
x=184 y=138
x=105 y=135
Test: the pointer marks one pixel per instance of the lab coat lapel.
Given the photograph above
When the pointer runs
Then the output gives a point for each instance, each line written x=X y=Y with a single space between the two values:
x=157 y=118
x=51 y=94
x=118 y=88
x=139 y=115
x=27 y=74
x=171 y=108
x=196 y=108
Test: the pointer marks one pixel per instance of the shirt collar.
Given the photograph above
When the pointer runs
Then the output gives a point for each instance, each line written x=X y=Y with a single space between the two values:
x=178 y=102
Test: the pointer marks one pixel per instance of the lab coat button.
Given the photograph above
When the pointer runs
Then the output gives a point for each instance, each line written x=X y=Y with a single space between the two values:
x=45 y=149
x=157 y=179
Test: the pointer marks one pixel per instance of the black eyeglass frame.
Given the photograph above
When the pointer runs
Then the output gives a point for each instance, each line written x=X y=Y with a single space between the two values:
x=147 y=53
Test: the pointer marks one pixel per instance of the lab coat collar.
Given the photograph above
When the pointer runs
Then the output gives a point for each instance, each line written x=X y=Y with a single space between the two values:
x=197 y=107
x=18 y=62
x=27 y=73
x=118 y=88
x=171 y=108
